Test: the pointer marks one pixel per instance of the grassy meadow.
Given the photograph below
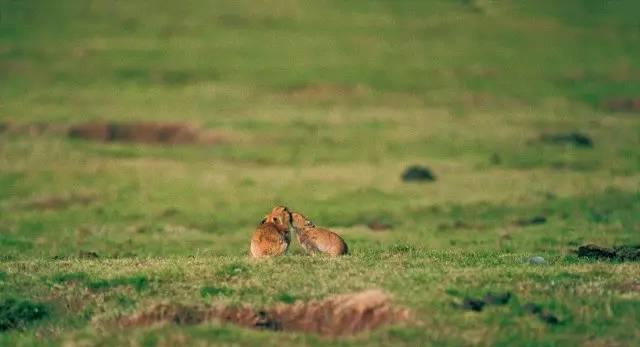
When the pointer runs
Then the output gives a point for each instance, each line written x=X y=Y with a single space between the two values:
x=320 y=106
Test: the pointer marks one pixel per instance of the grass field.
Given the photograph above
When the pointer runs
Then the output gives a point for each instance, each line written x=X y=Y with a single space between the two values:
x=320 y=106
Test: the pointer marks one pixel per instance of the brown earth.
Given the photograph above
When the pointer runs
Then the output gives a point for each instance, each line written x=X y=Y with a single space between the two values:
x=338 y=315
x=622 y=104
x=143 y=132
x=60 y=202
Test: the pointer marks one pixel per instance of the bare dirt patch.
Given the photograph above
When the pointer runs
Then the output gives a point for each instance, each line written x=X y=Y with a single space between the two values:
x=60 y=202
x=339 y=315
x=377 y=225
x=31 y=129
x=622 y=104
x=144 y=132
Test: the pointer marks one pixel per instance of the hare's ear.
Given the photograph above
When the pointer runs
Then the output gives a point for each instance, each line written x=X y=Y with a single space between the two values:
x=289 y=214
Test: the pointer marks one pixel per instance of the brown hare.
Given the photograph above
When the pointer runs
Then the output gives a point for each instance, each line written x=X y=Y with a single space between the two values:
x=317 y=240
x=272 y=236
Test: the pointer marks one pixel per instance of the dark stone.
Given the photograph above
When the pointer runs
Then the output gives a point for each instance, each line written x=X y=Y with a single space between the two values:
x=549 y=318
x=594 y=251
x=416 y=173
x=542 y=313
x=572 y=138
x=473 y=304
x=497 y=298
x=535 y=220
x=532 y=308
x=490 y=299
x=263 y=321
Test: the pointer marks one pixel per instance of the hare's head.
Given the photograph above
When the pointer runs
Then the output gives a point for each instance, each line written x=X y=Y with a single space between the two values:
x=299 y=221
x=280 y=216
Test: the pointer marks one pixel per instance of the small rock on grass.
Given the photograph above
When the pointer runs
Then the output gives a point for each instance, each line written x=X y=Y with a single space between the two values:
x=490 y=299
x=572 y=138
x=473 y=304
x=537 y=260
x=417 y=173
x=542 y=313
x=497 y=298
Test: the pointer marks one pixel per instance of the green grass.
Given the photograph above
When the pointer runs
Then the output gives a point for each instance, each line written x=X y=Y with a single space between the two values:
x=16 y=314
x=322 y=107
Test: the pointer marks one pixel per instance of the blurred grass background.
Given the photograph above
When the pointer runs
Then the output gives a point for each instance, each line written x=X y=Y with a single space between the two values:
x=321 y=106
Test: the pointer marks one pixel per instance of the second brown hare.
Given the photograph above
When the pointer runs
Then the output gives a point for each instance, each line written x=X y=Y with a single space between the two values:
x=317 y=240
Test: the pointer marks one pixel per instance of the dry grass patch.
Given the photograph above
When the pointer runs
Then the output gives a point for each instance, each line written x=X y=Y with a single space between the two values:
x=60 y=202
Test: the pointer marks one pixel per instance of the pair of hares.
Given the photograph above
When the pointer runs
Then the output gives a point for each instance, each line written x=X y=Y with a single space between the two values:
x=273 y=235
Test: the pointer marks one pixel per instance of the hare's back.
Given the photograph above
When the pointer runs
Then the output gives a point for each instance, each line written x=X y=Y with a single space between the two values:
x=330 y=242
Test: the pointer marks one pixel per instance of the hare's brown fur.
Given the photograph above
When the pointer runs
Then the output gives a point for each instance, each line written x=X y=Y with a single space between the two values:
x=317 y=240
x=280 y=216
x=272 y=236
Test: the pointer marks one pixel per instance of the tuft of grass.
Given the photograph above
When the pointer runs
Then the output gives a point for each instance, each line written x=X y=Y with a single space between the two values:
x=137 y=282
x=19 y=313
x=125 y=301
x=233 y=270
x=399 y=248
x=286 y=298
x=215 y=291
